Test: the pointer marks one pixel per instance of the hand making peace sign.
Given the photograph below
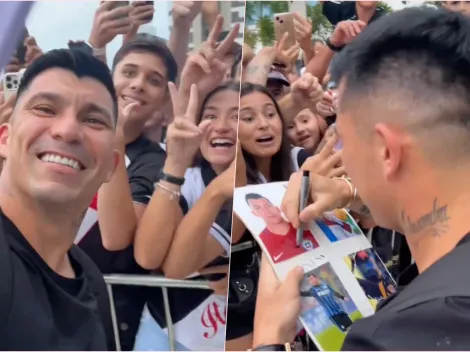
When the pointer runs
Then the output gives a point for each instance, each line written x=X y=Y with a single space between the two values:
x=184 y=135
x=206 y=67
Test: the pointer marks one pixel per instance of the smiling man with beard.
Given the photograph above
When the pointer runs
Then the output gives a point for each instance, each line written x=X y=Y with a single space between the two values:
x=59 y=149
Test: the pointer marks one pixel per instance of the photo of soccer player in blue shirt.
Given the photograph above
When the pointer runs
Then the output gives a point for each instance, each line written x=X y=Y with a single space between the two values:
x=326 y=297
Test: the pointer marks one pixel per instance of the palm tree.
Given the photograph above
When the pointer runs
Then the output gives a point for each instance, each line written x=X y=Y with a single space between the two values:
x=384 y=6
x=259 y=26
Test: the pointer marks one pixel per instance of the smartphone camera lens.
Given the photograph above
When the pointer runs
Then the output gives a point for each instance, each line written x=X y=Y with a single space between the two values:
x=282 y=21
x=9 y=86
x=15 y=82
x=8 y=78
x=277 y=18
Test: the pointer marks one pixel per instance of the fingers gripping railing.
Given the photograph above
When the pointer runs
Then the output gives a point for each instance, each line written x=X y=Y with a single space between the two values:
x=149 y=281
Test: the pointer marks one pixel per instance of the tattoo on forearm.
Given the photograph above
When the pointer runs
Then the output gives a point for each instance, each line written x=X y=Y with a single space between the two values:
x=434 y=223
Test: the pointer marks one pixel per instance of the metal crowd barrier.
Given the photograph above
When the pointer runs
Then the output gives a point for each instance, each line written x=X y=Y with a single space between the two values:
x=149 y=281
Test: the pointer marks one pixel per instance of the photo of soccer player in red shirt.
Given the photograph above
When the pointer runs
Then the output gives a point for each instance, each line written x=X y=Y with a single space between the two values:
x=279 y=236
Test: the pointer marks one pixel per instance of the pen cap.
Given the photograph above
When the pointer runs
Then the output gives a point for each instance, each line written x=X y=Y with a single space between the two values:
x=305 y=173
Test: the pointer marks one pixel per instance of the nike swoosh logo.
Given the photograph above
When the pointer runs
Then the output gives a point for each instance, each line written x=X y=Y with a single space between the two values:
x=278 y=256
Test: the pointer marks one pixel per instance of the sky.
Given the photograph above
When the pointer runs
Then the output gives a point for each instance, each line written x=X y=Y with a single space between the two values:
x=54 y=23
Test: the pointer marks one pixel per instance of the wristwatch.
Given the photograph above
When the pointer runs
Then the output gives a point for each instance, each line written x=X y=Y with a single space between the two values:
x=278 y=347
x=333 y=47
x=178 y=181
x=96 y=52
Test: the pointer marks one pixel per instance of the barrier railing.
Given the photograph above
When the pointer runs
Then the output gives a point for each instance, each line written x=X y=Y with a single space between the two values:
x=149 y=281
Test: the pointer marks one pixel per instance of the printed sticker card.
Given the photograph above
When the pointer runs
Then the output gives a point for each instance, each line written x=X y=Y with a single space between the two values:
x=344 y=277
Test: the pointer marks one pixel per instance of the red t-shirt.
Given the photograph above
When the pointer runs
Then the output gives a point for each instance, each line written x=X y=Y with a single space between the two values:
x=281 y=248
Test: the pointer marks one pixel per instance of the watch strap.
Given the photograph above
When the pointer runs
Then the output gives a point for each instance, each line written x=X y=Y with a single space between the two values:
x=276 y=347
x=97 y=51
x=333 y=47
x=170 y=179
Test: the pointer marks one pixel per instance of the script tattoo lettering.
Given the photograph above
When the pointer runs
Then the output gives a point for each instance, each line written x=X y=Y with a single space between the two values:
x=434 y=223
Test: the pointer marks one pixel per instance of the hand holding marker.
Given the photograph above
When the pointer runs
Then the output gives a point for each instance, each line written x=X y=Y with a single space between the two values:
x=304 y=188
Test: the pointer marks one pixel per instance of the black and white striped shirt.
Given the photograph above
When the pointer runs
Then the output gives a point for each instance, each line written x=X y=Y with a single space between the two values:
x=183 y=301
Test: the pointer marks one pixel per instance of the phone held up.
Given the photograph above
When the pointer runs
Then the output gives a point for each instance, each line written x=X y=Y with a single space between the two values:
x=11 y=80
x=284 y=22
x=11 y=83
x=116 y=4
x=142 y=3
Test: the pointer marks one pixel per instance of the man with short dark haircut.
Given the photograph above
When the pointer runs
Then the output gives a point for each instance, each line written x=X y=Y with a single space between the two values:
x=59 y=149
x=414 y=133
x=403 y=117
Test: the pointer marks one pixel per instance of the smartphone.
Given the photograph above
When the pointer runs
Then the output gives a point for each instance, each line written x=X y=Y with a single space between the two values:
x=284 y=22
x=11 y=83
x=20 y=52
x=116 y=4
x=142 y=3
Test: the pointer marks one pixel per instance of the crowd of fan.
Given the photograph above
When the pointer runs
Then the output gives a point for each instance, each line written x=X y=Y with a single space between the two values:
x=139 y=160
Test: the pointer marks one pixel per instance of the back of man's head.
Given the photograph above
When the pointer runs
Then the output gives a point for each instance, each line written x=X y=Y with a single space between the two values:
x=146 y=43
x=411 y=69
x=79 y=63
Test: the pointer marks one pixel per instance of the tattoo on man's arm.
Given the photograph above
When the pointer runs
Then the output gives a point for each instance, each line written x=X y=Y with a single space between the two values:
x=435 y=223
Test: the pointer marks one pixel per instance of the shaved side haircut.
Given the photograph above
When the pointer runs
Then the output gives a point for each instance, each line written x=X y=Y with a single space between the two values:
x=412 y=68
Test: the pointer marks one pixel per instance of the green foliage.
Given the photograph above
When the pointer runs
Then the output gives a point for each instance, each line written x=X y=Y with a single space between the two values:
x=260 y=14
x=250 y=38
x=386 y=7
x=321 y=27
x=265 y=27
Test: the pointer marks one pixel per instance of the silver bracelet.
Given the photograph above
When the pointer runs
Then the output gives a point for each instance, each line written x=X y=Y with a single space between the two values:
x=172 y=194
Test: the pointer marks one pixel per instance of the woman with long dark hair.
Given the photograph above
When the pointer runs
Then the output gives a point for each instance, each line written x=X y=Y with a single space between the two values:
x=269 y=157
x=200 y=239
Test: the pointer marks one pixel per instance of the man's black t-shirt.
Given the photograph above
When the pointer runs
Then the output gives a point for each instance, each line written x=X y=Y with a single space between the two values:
x=144 y=160
x=432 y=312
x=41 y=310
